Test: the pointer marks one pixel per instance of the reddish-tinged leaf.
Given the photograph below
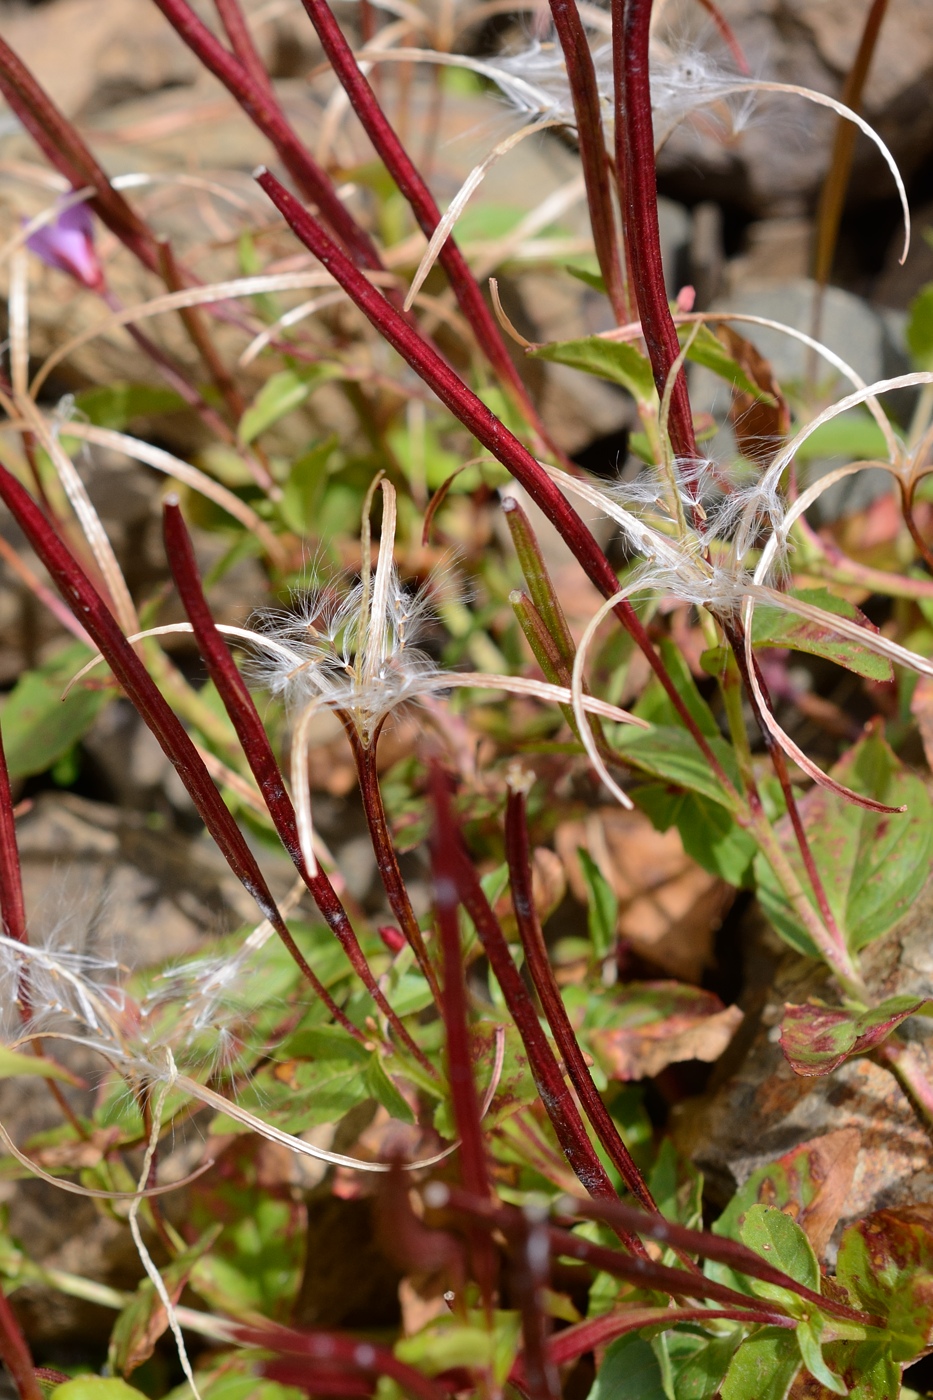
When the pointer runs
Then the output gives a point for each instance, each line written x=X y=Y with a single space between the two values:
x=872 y=864
x=655 y=1024
x=773 y=627
x=816 y=1038
x=810 y=1183
x=144 y=1319
x=307 y=1355
x=886 y=1263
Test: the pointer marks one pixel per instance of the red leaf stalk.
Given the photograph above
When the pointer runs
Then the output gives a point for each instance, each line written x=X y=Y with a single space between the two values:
x=330 y=1351
x=255 y=743
x=542 y=975
x=631 y=21
x=581 y=72
x=486 y=427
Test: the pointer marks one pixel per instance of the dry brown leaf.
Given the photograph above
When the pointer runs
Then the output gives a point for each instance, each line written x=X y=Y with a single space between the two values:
x=759 y=427
x=667 y=1023
x=669 y=907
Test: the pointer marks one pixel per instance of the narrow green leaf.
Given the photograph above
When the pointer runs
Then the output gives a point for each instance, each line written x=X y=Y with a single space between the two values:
x=384 y=1090
x=614 y=360
x=115 y=405
x=809 y=1339
x=853 y=435
x=13 y=1063
x=281 y=394
x=602 y=905
x=710 y=834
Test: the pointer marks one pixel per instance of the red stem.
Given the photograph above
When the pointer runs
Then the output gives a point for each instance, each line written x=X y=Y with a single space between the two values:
x=474 y=1171
x=555 y=1095
x=12 y=903
x=581 y=72
x=488 y=429
x=260 y=106
x=15 y=1353
x=255 y=743
x=241 y=41
x=518 y=856
x=631 y=21
x=84 y=600
x=386 y=858
x=335 y=1349
x=409 y=181
x=66 y=152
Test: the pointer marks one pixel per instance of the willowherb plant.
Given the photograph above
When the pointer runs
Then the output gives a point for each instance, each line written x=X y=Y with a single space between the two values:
x=471 y=1059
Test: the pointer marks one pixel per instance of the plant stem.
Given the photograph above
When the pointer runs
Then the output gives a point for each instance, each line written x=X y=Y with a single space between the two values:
x=555 y=1095
x=386 y=857
x=15 y=1353
x=518 y=856
x=260 y=106
x=255 y=742
x=489 y=430
x=581 y=72
x=631 y=22
x=901 y=1059
x=409 y=181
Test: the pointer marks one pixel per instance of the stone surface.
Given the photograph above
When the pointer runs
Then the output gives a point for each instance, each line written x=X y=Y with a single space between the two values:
x=778 y=162
x=760 y=1109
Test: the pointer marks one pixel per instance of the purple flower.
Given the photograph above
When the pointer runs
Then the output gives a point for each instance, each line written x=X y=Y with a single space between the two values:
x=68 y=244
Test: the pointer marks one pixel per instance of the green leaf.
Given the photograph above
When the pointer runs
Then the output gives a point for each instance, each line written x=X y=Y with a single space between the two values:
x=867 y=1369
x=773 y=627
x=630 y=1371
x=255 y=1266
x=698 y=1374
x=919 y=331
x=853 y=435
x=602 y=905
x=816 y=1038
x=810 y=1341
x=669 y=752
x=144 y=1319
x=448 y=1342
x=872 y=864
x=384 y=1090
x=773 y=1235
x=886 y=1263
x=614 y=360
x=96 y=1388
x=304 y=488
x=38 y=726
x=116 y=405
x=13 y=1063
x=763 y=1367
x=710 y=835
x=707 y=350
x=281 y=394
